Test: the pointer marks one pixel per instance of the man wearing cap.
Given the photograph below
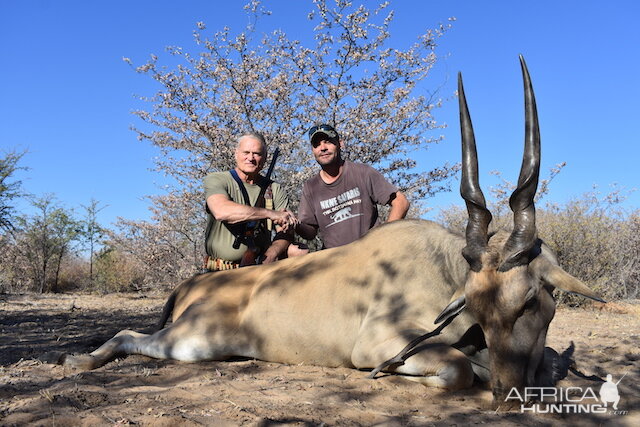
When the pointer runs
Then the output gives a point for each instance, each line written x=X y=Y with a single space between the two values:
x=341 y=201
x=230 y=212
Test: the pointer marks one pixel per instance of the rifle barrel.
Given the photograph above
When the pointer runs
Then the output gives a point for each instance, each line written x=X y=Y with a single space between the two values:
x=274 y=158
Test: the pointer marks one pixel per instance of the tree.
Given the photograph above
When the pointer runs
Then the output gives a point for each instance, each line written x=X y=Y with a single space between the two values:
x=43 y=240
x=351 y=78
x=276 y=85
x=9 y=190
x=91 y=232
x=170 y=246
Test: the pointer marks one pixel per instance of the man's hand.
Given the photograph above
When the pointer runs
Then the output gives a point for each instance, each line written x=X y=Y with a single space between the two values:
x=268 y=259
x=284 y=218
x=273 y=252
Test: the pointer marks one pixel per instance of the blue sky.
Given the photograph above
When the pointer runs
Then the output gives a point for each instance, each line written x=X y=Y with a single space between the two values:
x=66 y=95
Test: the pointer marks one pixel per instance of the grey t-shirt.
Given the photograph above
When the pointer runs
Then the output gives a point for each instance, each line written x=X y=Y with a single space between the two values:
x=344 y=210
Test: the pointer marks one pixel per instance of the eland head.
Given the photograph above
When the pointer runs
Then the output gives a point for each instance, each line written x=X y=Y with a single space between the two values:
x=512 y=274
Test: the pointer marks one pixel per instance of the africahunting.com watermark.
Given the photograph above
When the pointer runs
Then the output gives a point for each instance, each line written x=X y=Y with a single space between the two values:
x=569 y=400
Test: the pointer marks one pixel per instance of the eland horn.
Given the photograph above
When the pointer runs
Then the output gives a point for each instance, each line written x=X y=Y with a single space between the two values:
x=479 y=215
x=523 y=236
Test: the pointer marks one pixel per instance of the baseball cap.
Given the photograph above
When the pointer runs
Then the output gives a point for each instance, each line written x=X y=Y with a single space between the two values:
x=325 y=129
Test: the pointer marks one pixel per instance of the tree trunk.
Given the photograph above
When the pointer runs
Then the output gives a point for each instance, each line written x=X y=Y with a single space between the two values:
x=55 y=287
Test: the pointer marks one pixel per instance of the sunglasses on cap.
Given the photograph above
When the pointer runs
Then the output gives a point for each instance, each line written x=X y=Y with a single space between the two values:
x=314 y=129
x=326 y=129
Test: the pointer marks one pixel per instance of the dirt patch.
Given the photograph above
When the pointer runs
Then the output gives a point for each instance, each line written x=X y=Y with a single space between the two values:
x=141 y=391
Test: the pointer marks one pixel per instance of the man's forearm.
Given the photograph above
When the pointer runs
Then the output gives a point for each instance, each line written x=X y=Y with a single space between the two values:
x=231 y=212
x=399 y=207
x=245 y=213
x=277 y=248
x=306 y=231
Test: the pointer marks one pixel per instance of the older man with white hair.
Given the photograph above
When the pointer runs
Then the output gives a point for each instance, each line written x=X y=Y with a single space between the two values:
x=240 y=204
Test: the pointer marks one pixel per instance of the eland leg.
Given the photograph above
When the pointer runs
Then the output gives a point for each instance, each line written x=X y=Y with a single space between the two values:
x=193 y=337
x=433 y=365
x=119 y=345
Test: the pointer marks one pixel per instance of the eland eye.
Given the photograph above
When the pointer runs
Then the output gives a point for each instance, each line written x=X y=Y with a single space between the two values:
x=530 y=302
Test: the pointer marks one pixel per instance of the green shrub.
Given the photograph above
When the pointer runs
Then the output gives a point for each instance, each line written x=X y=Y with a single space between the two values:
x=116 y=272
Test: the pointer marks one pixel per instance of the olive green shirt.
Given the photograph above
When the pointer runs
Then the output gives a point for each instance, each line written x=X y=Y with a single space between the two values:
x=218 y=239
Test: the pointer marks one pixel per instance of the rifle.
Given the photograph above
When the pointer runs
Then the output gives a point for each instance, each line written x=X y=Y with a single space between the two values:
x=250 y=229
x=267 y=181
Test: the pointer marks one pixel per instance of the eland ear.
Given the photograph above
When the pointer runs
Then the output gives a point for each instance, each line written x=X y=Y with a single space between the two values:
x=452 y=310
x=560 y=279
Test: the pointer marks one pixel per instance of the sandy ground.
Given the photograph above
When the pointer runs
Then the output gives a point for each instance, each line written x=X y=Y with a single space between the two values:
x=141 y=391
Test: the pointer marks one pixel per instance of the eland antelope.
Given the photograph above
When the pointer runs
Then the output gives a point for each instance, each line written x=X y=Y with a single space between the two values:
x=360 y=304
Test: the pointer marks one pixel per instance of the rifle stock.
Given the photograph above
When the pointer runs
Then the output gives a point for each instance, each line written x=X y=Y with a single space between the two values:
x=250 y=257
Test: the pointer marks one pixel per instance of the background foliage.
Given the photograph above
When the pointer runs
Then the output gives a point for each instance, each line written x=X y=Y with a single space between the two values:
x=231 y=82
x=592 y=236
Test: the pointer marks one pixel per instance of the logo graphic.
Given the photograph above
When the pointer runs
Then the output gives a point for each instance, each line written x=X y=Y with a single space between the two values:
x=342 y=215
x=609 y=392
x=576 y=400
x=339 y=208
